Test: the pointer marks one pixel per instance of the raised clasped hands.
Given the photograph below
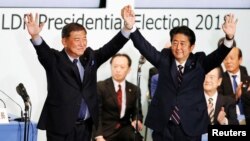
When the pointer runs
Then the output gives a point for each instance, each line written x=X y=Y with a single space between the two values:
x=128 y=16
x=34 y=28
x=229 y=26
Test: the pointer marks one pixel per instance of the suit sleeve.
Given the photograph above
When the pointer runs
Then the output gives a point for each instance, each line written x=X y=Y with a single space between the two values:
x=245 y=97
x=145 y=48
x=231 y=112
x=98 y=131
x=110 y=48
x=215 y=58
x=45 y=53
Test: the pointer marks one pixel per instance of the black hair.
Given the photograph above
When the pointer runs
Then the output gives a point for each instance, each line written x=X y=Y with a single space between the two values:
x=67 y=29
x=123 y=55
x=183 y=30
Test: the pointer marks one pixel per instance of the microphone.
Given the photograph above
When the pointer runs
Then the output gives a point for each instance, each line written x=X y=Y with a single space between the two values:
x=23 y=93
x=3 y=103
x=142 y=60
x=17 y=119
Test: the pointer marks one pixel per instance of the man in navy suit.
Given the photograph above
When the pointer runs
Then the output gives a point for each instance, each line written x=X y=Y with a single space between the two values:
x=153 y=85
x=71 y=106
x=178 y=111
x=119 y=124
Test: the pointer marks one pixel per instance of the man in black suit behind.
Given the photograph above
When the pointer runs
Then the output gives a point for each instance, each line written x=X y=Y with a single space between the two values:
x=178 y=111
x=223 y=107
x=119 y=124
x=71 y=105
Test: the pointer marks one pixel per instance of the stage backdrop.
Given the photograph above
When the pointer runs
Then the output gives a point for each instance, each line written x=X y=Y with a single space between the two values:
x=19 y=63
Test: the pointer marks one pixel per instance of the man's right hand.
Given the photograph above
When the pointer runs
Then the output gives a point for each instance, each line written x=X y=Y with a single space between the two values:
x=34 y=28
x=128 y=16
x=229 y=26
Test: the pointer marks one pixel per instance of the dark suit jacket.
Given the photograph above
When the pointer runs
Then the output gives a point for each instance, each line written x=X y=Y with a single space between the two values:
x=189 y=96
x=227 y=89
x=226 y=85
x=65 y=90
x=229 y=105
x=109 y=112
x=245 y=97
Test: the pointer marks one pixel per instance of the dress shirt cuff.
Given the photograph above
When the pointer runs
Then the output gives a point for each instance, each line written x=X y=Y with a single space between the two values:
x=126 y=32
x=99 y=137
x=37 y=41
x=228 y=43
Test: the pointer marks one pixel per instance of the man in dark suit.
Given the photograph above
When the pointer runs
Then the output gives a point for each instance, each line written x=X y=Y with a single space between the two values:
x=233 y=67
x=71 y=105
x=221 y=109
x=115 y=122
x=153 y=84
x=152 y=71
x=178 y=111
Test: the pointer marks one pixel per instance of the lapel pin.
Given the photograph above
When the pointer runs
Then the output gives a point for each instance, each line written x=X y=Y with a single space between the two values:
x=129 y=90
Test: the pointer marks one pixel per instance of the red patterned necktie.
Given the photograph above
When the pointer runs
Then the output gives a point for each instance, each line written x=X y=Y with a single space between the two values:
x=119 y=97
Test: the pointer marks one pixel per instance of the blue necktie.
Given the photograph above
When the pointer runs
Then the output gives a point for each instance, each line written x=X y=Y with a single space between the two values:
x=235 y=85
x=83 y=108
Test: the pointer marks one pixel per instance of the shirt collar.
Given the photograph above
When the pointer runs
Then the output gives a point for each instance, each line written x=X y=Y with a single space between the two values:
x=117 y=83
x=183 y=64
x=70 y=58
x=214 y=97
x=237 y=73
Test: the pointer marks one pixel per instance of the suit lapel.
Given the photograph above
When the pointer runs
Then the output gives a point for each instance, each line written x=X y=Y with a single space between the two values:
x=129 y=93
x=228 y=83
x=111 y=90
x=219 y=104
x=85 y=61
x=68 y=73
x=190 y=64
x=174 y=73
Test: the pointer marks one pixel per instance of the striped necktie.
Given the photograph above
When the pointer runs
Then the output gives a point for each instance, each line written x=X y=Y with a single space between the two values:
x=175 y=114
x=179 y=74
x=211 y=113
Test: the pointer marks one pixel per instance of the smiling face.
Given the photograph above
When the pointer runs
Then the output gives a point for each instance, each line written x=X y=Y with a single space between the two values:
x=181 y=47
x=212 y=81
x=75 y=44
